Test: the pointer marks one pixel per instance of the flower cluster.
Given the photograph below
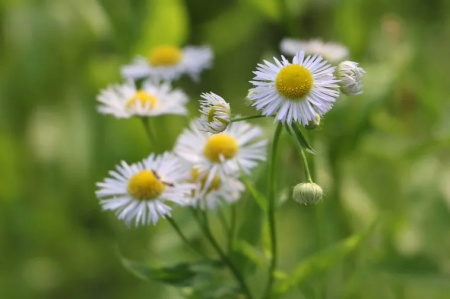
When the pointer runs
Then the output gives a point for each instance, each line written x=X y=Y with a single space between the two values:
x=209 y=157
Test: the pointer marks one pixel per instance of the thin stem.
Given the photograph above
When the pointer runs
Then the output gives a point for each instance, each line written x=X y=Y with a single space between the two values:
x=182 y=236
x=240 y=118
x=305 y=164
x=204 y=225
x=225 y=226
x=232 y=226
x=148 y=130
x=271 y=211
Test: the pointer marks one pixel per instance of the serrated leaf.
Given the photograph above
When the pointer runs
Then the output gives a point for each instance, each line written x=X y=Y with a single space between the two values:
x=321 y=261
x=167 y=23
x=298 y=135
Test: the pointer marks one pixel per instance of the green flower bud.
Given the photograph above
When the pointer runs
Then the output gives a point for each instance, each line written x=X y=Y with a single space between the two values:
x=314 y=124
x=307 y=193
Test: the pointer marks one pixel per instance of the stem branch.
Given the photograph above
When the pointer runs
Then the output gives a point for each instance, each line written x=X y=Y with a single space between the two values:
x=271 y=211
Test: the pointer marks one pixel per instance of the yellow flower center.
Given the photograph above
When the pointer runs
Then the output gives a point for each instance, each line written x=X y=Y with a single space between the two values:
x=165 y=56
x=294 y=81
x=220 y=145
x=145 y=185
x=213 y=185
x=213 y=111
x=144 y=98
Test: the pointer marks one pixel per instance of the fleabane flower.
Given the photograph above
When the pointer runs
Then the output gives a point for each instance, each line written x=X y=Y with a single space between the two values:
x=333 y=52
x=168 y=62
x=125 y=100
x=350 y=76
x=219 y=190
x=141 y=192
x=238 y=148
x=294 y=92
x=215 y=113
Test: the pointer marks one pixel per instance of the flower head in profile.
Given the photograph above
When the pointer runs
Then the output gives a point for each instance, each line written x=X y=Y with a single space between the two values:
x=215 y=113
x=294 y=92
x=238 y=147
x=141 y=192
x=350 y=76
x=125 y=100
x=219 y=190
x=168 y=62
x=333 y=52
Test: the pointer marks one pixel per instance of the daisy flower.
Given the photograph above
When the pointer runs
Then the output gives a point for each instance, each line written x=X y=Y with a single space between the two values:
x=350 y=75
x=215 y=113
x=125 y=100
x=220 y=190
x=169 y=62
x=140 y=192
x=237 y=148
x=294 y=92
x=333 y=52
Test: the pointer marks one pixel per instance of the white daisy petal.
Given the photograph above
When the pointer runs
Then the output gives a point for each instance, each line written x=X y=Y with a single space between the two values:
x=169 y=63
x=222 y=153
x=125 y=100
x=149 y=185
x=333 y=52
x=297 y=91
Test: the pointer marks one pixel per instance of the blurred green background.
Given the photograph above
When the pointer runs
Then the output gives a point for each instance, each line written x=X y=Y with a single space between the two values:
x=382 y=155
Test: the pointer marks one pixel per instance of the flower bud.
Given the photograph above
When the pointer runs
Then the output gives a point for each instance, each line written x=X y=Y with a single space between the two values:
x=313 y=124
x=350 y=76
x=216 y=114
x=307 y=193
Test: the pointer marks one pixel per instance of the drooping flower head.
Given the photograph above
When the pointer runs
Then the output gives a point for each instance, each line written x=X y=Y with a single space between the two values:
x=294 y=92
x=307 y=193
x=141 y=192
x=238 y=147
x=215 y=113
x=168 y=62
x=125 y=100
x=333 y=52
x=350 y=76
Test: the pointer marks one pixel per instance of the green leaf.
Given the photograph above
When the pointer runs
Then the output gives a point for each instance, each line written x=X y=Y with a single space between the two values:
x=167 y=23
x=181 y=274
x=252 y=253
x=321 y=261
x=298 y=135
x=258 y=196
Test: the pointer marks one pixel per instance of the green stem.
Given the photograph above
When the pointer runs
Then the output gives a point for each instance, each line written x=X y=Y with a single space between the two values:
x=148 y=130
x=182 y=236
x=305 y=164
x=225 y=226
x=232 y=227
x=204 y=225
x=271 y=211
x=240 y=118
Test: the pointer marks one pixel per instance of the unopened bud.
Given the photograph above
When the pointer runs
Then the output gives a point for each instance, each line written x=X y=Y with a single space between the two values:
x=313 y=124
x=216 y=115
x=350 y=76
x=307 y=193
